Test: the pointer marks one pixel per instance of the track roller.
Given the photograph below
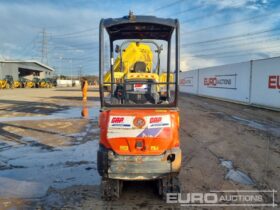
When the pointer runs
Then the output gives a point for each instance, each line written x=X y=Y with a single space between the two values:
x=111 y=189
x=168 y=185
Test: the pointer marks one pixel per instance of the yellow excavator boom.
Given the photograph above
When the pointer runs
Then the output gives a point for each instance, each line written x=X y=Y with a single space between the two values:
x=133 y=53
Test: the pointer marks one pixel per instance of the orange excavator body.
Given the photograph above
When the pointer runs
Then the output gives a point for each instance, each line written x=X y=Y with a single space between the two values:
x=159 y=133
x=139 y=144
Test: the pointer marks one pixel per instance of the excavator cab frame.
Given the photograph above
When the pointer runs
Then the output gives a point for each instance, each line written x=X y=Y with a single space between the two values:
x=143 y=29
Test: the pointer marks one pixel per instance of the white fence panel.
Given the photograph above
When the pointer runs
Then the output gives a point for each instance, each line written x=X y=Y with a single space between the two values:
x=188 y=82
x=266 y=82
x=230 y=82
x=67 y=83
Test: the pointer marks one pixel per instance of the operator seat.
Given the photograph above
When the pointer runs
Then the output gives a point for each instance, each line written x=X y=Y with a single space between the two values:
x=139 y=67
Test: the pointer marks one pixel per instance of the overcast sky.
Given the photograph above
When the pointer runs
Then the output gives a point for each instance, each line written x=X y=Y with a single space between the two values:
x=213 y=32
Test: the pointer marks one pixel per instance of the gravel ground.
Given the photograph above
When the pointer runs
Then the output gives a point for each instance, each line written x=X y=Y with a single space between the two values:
x=48 y=151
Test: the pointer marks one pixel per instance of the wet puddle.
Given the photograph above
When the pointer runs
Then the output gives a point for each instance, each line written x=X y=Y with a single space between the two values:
x=272 y=128
x=70 y=113
x=28 y=171
x=235 y=174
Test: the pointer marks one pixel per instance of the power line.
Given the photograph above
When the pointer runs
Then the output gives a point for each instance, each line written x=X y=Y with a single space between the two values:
x=74 y=49
x=75 y=36
x=230 y=37
x=237 y=44
x=213 y=13
x=90 y=45
x=74 y=45
x=216 y=55
x=76 y=32
x=168 y=5
x=28 y=45
x=233 y=22
x=243 y=54
x=186 y=10
x=76 y=58
x=246 y=56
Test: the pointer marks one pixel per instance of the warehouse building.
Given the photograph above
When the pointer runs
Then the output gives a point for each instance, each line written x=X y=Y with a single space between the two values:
x=27 y=69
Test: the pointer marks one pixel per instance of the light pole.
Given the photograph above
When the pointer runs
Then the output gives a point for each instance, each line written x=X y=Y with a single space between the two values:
x=61 y=72
x=71 y=70
x=80 y=72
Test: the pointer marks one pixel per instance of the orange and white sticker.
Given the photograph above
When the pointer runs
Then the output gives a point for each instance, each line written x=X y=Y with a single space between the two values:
x=120 y=121
x=160 y=121
x=123 y=126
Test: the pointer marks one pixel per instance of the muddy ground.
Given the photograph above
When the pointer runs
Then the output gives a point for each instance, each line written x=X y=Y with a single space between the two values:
x=49 y=139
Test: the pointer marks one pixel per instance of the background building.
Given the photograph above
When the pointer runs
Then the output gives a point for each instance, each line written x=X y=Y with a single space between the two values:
x=27 y=69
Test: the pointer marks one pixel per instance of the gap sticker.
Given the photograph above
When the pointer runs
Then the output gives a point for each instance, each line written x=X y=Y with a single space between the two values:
x=121 y=121
x=160 y=121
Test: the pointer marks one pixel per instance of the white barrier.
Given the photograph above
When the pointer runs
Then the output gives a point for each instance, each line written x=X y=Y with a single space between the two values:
x=188 y=82
x=266 y=82
x=230 y=82
x=67 y=83
x=255 y=83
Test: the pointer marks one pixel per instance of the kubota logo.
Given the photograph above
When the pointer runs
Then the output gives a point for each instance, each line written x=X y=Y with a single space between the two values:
x=274 y=82
x=117 y=120
x=155 y=119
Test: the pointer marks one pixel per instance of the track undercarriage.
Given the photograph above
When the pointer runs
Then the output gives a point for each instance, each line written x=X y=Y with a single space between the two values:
x=111 y=189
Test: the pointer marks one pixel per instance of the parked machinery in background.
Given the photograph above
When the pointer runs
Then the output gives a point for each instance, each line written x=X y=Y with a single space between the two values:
x=43 y=83
x=7 y=82
x=26 y=83
x=23 y=82
x=17 y=84
x=46 y=83
x=53 y=81
x=30 y=84
x=36 y=82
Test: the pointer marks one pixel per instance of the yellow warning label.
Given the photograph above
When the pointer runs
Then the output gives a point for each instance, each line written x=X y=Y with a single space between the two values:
x=154 y=148
x=124 y=148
